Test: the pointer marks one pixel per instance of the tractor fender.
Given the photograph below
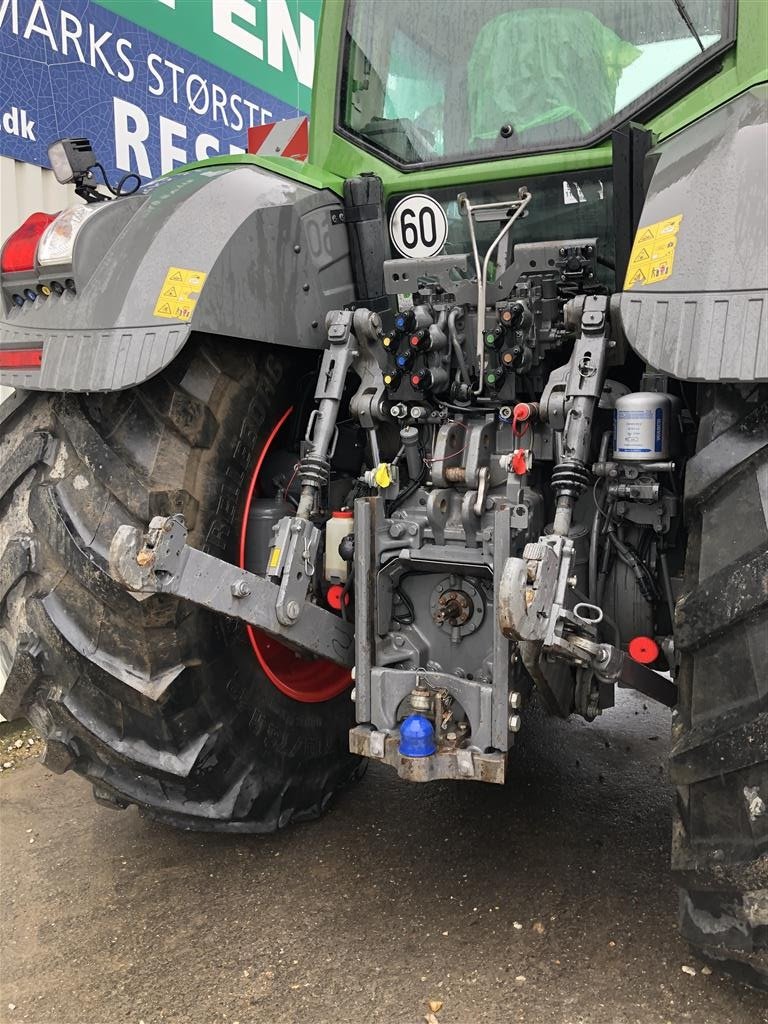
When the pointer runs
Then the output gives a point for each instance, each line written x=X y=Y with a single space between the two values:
x=232 y=250
x=704 y=316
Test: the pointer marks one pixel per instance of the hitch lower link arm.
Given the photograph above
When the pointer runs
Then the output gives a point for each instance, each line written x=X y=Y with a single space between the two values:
x=532 y=610
x=162 y=562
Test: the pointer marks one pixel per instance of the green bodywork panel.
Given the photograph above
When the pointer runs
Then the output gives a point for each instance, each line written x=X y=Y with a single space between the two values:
x=334 y=158
x=190 y=25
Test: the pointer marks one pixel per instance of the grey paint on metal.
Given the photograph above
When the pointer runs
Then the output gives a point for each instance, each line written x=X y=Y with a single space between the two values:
x=163 y=562
x=502 y=653
x=390 y=686
x=708 y=321
x=275 y=265
x=95 y=360
x=365 y=575
x=445 y=764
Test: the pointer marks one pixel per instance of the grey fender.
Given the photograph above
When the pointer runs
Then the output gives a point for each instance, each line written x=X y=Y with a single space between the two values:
x=708 y=321
x=273 y=258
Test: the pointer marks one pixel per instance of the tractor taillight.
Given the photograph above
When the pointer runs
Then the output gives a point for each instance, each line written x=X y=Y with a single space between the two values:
x=19 y=251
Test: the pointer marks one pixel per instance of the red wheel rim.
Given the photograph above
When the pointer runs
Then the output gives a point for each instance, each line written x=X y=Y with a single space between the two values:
x=310 y=680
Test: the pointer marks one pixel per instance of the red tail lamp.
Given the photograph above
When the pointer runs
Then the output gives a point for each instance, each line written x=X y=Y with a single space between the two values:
x=19 y=251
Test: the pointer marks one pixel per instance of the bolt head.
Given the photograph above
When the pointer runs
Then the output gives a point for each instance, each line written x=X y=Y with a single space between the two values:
x=515 y=700
x=514 y=723
x=292 y=610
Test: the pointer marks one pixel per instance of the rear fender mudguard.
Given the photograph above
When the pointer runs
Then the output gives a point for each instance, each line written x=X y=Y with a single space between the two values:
x=701 y=314
x=265 y=258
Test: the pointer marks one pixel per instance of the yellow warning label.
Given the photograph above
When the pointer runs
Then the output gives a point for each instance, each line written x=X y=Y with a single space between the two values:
x=653 y=254
x=179 y=293
x=274 y=558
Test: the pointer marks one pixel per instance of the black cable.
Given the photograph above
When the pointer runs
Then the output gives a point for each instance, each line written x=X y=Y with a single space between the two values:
x=594 y=538
x=345 y=591
x=401 y=596
x=605 y=568
x=643 y=575
x=404 y=495
x=117 y=190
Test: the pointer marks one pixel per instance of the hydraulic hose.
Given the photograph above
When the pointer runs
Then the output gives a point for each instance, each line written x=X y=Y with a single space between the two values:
x=642 y=574
x=456 y=345
x=594 y=540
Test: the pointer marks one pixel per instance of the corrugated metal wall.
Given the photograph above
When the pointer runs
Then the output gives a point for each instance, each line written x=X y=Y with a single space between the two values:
x=25 y=188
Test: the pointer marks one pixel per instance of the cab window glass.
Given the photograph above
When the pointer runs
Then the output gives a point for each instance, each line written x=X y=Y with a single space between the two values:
x=498 y=77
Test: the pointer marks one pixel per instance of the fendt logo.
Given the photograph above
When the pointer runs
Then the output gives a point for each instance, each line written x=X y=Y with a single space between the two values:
x=16 y=121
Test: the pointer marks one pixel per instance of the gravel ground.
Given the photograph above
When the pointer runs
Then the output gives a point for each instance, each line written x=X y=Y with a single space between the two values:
x=18 y=743
x=547 y=900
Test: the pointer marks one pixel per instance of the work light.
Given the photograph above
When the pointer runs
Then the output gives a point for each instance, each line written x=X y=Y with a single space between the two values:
x=71 y=159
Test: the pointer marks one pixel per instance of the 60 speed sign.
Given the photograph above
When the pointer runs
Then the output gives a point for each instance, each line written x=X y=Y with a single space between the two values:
x=418 y=226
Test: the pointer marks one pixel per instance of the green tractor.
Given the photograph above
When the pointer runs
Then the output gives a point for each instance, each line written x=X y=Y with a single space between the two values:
x=358 y=458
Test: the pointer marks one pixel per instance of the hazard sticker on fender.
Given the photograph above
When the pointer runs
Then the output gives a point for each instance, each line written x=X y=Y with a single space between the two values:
x=653 y=254
x=179 y=293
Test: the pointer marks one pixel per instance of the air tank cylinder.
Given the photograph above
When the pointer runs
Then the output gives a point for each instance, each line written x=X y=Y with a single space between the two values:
x=641 y=427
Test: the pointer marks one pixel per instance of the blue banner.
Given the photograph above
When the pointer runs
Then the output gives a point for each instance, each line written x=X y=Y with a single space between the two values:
x=69 y=68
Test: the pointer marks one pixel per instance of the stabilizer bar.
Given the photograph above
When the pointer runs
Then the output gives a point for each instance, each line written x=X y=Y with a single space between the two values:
x=163 y=562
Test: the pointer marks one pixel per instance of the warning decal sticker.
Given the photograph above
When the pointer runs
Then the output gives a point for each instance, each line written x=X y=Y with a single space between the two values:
x=653 y=254
x=179 y=293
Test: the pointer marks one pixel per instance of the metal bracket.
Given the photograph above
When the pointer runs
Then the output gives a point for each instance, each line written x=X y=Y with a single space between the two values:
x=445 y=764
x=297 y=569
x=532 y=610
x=163 y=562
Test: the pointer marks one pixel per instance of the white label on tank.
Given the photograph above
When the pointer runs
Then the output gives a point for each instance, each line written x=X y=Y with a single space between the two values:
x=418 y=227
x=639 y=430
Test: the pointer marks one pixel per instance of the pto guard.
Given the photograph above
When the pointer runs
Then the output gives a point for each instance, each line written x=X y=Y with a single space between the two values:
x=230 y=250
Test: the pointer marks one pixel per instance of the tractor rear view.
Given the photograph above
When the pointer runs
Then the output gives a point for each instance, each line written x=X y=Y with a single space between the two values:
x=359 y=458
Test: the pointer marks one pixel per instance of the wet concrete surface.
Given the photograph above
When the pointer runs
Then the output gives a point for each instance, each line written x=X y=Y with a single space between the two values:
x=548 y=900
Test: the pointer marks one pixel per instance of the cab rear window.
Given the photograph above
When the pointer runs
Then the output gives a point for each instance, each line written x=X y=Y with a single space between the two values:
x=499 y=77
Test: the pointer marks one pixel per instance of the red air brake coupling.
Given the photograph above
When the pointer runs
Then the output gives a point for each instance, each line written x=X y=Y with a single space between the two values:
x=522 y=460
x=523 y=415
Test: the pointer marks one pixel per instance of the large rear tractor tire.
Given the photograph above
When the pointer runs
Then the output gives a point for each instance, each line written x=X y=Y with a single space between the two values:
x=157 y=702
x=719 y=758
